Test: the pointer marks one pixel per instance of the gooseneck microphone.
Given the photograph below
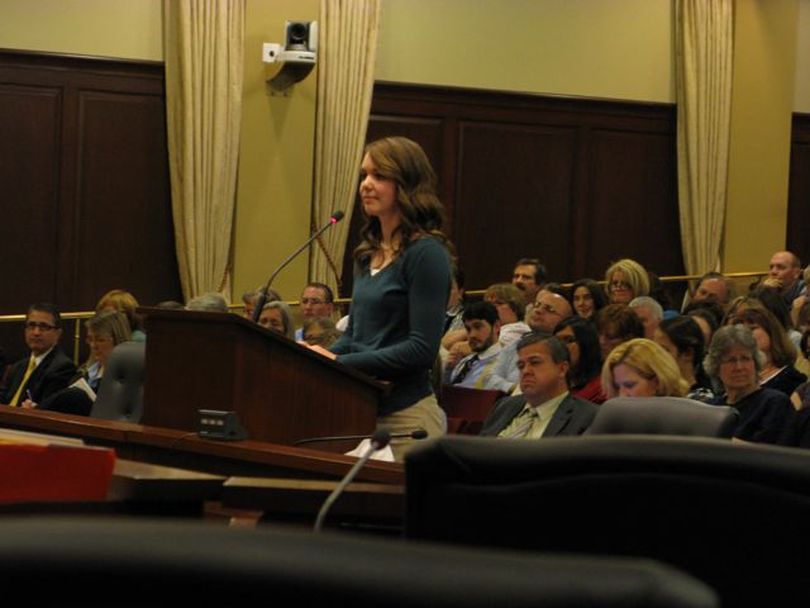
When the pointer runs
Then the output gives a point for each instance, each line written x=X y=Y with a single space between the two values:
x=336 y=217
x=379 y=440
x=415 y=434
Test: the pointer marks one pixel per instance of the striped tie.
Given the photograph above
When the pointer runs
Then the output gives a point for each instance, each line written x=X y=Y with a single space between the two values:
x=520 y=431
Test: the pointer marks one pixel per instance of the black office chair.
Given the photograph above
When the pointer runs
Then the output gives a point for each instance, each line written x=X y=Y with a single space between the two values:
x=735 y=516
x=120 y=396
x=146 y=563
x=664 y=416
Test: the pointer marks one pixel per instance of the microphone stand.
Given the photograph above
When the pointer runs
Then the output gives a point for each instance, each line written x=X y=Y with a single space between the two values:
x=379 y=440
x=257 y=312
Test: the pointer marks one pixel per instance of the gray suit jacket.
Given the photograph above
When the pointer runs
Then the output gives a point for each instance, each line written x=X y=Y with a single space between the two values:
x=573 y=417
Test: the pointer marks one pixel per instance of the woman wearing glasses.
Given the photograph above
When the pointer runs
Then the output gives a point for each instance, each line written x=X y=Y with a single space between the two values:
x=625 y=280
x=734 y=362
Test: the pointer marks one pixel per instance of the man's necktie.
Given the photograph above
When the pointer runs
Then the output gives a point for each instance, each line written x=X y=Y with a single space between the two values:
x=520 y=431
x=465 y=369
x=30 y=370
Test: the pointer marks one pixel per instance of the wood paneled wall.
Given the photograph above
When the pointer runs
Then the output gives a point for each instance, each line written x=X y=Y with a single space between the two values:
x=575 y=182
x=798 y=221
x=84 y=180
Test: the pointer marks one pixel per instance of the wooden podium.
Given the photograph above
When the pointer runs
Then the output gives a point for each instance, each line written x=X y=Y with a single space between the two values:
x=281 y=391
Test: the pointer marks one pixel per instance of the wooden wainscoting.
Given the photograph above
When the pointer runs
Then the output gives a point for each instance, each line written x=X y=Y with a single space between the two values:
x=576 y=182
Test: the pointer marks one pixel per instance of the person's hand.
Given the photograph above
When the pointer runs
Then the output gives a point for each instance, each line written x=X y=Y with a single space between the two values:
x=451 y=337
x=796 y=307
x=457 y=352
x=320 y=350
x=772 y=282
x=28 y=404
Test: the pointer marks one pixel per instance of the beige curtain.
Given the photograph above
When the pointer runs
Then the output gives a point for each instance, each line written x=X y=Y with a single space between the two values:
x=346 y=50
x=704 y=60
x=203 y=43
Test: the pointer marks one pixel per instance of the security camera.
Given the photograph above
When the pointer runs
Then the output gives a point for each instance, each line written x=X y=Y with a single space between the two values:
x=301 y=36
x=298 y=53
x=300 y=42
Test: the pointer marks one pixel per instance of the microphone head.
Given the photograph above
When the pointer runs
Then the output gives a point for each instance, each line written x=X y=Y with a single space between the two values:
x=419 y=434
x=337 y=216
x=380 y=439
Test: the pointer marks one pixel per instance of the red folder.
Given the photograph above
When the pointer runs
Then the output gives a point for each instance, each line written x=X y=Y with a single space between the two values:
x=59 y=473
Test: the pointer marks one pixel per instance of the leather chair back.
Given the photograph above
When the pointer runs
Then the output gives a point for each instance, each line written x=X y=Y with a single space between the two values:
x=663 y=416
x=120 y=396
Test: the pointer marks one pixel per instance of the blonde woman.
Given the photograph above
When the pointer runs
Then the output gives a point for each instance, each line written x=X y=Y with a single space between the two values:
x=625 y=280
x=642 y=368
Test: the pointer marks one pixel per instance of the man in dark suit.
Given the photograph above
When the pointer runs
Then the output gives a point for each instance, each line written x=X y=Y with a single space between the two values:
x=545 y=408
x=47 y=369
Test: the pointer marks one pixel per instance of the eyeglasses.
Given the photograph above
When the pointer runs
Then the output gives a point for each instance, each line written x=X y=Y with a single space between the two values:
x=616 y=285
x=32 y=325
x=312 y=301
x=741 y=360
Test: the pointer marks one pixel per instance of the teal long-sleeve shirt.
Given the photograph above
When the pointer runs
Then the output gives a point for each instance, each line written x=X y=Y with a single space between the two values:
x=396 y=321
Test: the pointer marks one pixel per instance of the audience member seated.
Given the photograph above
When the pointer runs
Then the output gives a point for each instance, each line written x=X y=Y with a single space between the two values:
x=617 y=323
x=770 y=299
x=734 y=362
x=317 y=302
x=320 y=331
x=587 y=298
x=777 y=371
x=123 y=301
x=208 y=302
x=582 y=341
x=625 y=280
x=785 y=275
x=709 y=316
x=650 y=312
x=250 y=297
x=641 y=368
x=276 y=316
x=529 y=276
x=682 y=338
x=510 y=303
x=713 y=287
x=47 y=369
x=474 y=370
x=549 y=309
x=545 y=408
x=105 y=331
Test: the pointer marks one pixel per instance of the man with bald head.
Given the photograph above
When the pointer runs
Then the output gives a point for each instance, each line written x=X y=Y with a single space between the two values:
x=549 y=309
x=784 y=274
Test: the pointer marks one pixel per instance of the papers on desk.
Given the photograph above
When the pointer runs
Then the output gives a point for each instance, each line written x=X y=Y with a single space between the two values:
x=82 y=385
x=385 y=454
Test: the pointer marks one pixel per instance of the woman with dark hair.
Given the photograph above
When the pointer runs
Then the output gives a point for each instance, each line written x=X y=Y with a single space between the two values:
x=401 y=286
x=734 y=363
x=617 y=323
x=587 y=298
x=586 y=358
x=708 y=316
x=682 y=338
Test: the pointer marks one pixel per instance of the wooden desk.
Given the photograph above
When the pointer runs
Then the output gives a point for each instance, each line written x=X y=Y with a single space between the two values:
x=170 y=447
x=301 y=499
x=149 y=489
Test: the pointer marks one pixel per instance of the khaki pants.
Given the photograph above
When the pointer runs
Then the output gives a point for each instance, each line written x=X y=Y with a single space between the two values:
x=424 y=414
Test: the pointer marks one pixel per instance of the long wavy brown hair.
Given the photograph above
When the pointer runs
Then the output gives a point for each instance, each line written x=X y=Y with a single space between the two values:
x=403 y=161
